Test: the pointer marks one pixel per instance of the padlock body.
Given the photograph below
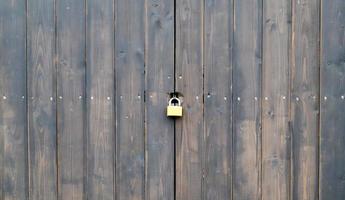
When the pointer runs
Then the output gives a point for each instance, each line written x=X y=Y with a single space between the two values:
x=174 y=111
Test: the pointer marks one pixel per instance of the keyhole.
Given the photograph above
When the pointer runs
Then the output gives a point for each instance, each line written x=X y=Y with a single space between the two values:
x=174 y=102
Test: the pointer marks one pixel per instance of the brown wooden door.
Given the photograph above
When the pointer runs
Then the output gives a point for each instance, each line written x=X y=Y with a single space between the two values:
x=84 y=86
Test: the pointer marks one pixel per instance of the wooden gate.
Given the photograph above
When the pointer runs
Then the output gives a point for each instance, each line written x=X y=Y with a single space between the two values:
x=84 y=85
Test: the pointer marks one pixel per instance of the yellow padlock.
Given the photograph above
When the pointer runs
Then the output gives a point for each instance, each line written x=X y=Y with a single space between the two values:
x=174 y=108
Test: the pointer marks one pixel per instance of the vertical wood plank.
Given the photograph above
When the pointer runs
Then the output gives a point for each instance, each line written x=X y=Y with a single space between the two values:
x=159 y=82
x=332 y=170
x=13 y=137
x=130 y=86
x=71 y=88
x=100 y=104
x=247 y=59
x=218 y=102
x=41 y=109
x=275 y=106
x=305 y=98
x=189 y=81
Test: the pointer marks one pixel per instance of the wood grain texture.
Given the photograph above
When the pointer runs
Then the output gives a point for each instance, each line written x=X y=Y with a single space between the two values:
x=159 y=83
x=247 y=63
x=70 y=15
x=275 y=106
x=217 y=136
x=84 y=85
x=305 y=98
x=100 y=100
x=130 y=110
x=189 y=81
x=332 y=122
x=13 y=126
x=41 y=109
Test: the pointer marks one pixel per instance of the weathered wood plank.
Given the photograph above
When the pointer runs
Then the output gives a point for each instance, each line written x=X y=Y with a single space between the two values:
x=189 y=81
x=332 y=149
x=71 y=88
x=13 y=126
x=159 y=82
x=41 y=103
x=247 y=59
x=100 y=104
x=218 y=102
x=130 y=110
x=304 y=103
x=275 y=97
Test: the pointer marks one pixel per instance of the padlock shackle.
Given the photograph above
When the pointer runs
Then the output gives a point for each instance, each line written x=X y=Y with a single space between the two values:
x=175 y=98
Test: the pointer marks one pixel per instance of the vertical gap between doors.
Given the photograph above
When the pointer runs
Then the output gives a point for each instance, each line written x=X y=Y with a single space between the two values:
x=174 y=174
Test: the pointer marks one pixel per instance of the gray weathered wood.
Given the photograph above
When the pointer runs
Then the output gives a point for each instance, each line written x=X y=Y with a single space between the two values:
x=275 y=97
x=305 y=98
x=70 y=15
x=84 y=87
x=130 y=86
x=100 y=100
x=247 y=59
x=189 y=81
x=159 y=82
x=13 y=133
x=332 y=122
x=217 y=136
x=41 y=79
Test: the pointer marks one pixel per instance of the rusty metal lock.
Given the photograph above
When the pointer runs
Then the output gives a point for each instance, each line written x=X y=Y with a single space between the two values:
x=174 y=108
